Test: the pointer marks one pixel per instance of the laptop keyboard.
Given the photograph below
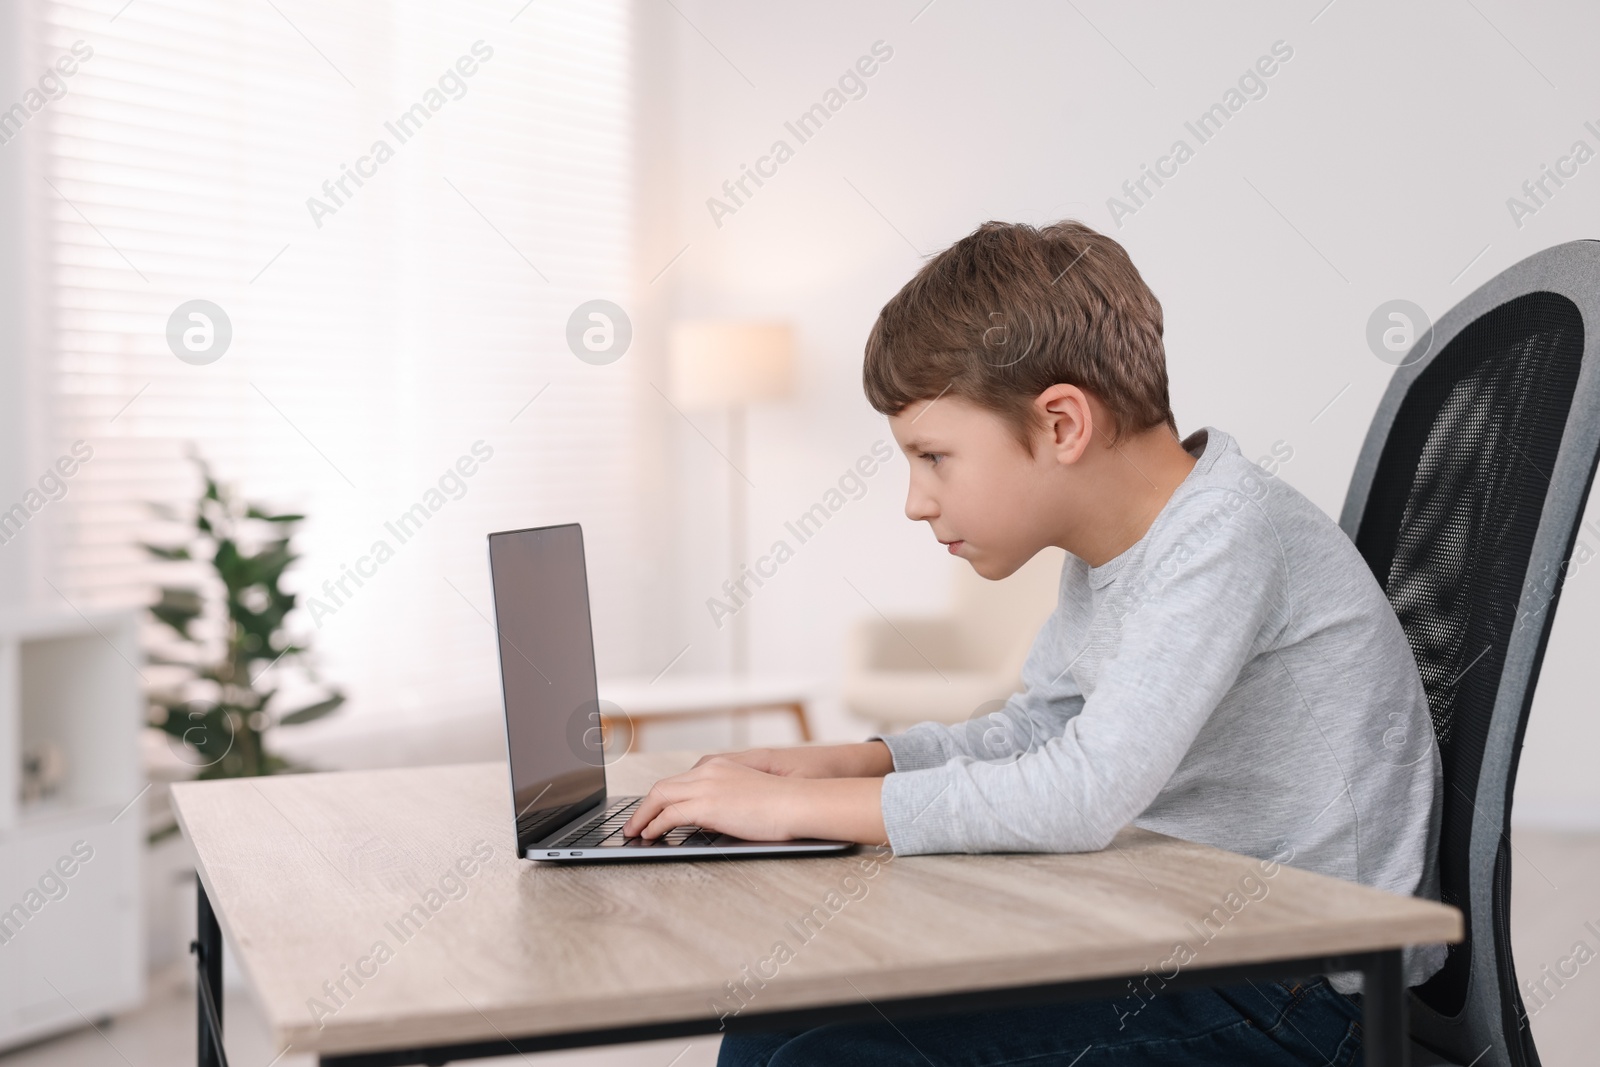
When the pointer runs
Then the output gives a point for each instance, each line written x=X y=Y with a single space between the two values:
x=606 y=831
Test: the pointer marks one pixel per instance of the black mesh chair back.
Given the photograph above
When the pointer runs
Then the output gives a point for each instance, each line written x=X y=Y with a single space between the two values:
x=1465 y=503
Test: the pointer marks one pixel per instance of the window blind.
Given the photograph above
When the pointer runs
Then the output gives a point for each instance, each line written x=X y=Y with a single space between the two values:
x=397 y=205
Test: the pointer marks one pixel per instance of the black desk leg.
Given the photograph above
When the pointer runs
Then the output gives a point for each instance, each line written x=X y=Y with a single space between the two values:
x=1385 y=1012
x=207 y=948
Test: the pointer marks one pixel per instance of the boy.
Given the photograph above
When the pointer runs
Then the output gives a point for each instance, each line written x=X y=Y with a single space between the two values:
x=1221 y=665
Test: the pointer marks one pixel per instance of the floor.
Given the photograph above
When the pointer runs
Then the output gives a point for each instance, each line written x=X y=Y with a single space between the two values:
x=1555 y=924
x=162 y=1034
x=1555 y=878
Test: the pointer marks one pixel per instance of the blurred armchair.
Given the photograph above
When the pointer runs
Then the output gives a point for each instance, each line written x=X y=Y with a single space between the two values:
x=945 y=668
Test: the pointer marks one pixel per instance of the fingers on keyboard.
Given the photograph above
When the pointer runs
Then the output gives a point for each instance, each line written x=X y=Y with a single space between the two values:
x=607 y=833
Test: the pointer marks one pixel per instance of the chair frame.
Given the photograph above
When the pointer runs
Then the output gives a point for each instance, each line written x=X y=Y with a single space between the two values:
x=1492 y=1029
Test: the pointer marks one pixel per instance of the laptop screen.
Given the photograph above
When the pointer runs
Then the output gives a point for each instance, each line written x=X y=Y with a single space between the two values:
x=547 y=677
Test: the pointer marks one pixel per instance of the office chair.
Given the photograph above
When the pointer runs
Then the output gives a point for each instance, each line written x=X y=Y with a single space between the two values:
x=1465 y=502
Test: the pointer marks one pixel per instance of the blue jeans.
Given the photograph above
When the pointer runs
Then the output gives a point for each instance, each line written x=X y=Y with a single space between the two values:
x=1292 y=1023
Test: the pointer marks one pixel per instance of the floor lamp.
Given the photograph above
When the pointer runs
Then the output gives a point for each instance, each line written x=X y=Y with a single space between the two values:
x=729 y=364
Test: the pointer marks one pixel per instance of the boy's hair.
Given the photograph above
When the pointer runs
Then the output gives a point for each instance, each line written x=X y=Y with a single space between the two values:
x=1012 y=309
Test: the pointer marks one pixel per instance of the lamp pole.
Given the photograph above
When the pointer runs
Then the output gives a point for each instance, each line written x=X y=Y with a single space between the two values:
x=731 y=364
x=736 y=532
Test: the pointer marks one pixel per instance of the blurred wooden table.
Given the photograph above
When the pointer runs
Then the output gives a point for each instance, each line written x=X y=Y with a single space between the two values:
x=681 y=698
x=382 y=917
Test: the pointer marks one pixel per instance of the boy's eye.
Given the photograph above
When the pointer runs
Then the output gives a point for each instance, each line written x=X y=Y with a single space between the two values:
x=931 y=457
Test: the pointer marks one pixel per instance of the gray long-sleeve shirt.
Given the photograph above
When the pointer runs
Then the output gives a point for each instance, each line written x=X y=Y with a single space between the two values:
x=1236 y=678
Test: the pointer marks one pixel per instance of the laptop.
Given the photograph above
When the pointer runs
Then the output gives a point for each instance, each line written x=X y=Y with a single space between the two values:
x=560 y=803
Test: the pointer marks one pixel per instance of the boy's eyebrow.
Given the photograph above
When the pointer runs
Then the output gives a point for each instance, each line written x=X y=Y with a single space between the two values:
x=919 y=445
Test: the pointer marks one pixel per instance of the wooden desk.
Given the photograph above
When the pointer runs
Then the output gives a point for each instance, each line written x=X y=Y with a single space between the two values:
x=311 y=874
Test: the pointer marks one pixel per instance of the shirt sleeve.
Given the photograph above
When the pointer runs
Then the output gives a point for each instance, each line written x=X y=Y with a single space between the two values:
x=1214 y=593
x=1049 y=697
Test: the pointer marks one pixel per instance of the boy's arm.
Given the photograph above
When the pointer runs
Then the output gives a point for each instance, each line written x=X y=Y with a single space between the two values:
x=860 y=759
x=1180 y=654
x=1050 y=696
x=836 y=791
x=735 y=798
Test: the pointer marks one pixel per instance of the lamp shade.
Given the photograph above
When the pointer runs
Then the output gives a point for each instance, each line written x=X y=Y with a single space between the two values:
x=718 y=363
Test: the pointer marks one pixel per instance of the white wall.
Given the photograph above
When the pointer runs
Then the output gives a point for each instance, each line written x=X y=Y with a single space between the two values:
x=1377 y=165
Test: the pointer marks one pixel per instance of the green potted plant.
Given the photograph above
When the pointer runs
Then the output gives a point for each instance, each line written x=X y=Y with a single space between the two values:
x=222 y=706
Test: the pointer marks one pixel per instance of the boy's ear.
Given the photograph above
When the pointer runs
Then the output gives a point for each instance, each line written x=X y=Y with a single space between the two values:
x=1068 y=419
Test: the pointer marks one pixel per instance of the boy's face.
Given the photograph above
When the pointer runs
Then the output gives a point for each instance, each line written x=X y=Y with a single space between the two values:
x=975 y=486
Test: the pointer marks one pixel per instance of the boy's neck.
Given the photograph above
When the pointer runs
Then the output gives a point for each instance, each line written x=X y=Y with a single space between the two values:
x=1130 y=483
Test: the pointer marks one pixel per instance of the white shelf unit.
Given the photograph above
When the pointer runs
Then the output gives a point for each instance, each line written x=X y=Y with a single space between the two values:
x=71 y=937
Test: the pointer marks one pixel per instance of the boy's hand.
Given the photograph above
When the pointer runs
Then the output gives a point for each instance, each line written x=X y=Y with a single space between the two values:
x=730 y=797
x=868 y=759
